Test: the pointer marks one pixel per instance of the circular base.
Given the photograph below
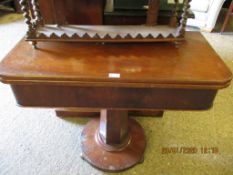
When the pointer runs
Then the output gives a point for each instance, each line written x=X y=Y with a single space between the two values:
x=115 y=147
x=95 y=154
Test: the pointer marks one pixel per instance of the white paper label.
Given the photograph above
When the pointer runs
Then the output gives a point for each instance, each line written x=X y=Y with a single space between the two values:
x=114 y=75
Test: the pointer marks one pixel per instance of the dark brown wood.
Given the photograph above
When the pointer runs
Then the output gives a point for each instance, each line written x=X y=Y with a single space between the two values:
x=125 y=18
x=151 y=113
x=174 y=17
x=115 y=78
x=113 y=158
x=228 y=15
x=77 y=112
x=72 y=11
x=59 y=11
x=153 y=12
x=112 y=97
x=72 y=14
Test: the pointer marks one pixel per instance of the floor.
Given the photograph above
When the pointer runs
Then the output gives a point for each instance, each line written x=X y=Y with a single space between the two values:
x=36 y=142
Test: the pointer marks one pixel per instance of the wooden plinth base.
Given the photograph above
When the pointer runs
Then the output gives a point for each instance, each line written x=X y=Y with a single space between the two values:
x=108 y=153
x=75 y=112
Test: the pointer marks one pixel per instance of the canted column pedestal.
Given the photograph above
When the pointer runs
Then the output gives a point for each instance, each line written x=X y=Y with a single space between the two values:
x=114 y=142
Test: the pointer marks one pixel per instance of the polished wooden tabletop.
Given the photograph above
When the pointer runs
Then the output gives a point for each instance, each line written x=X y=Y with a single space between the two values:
x=194 y=64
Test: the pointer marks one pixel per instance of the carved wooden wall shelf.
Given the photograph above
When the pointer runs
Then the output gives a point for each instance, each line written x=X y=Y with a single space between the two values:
x=150 y=32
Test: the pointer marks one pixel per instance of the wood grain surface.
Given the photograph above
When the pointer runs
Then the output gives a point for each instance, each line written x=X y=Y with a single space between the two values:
x=194 y=65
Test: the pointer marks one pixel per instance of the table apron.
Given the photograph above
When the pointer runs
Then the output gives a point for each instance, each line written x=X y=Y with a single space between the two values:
x=56 y=96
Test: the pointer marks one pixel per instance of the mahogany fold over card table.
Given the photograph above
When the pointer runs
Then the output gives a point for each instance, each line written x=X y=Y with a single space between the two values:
x=115 y=79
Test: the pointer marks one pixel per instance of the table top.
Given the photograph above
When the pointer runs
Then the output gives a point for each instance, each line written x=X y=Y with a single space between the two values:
x=193 y=65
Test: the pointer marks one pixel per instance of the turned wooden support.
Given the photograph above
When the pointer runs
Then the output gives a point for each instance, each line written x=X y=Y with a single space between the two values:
x=26 y=13
x=183 y=21
x=36 y=13
x=153 y=12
